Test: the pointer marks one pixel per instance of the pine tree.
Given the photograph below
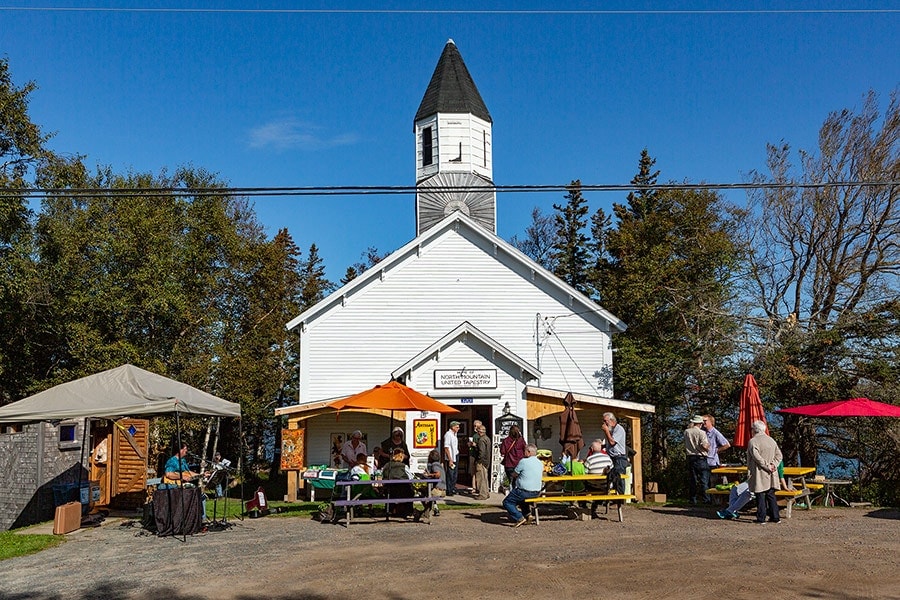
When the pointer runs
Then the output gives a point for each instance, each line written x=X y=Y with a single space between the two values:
x=571 y=245
x=314 y=284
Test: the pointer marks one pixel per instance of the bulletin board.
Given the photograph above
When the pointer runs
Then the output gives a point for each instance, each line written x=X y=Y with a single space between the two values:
x=293 y=456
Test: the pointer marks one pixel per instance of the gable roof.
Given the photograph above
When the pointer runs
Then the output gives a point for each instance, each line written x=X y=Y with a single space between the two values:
x=451 y=89
x=462 y=330
x=456 y=221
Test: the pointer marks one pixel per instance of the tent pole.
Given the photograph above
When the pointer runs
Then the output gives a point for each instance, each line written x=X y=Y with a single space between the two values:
x=180 y=476
x=241 y=461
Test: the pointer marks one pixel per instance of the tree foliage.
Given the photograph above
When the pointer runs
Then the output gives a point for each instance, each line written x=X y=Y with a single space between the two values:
x=570 y=249
x=540 y=239
x=664 y=268
x=824 y=264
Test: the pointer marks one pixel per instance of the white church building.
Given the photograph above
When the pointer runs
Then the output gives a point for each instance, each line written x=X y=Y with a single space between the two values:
x=457 y=313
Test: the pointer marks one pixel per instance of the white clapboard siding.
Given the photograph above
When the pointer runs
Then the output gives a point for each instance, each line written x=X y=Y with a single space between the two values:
x=457 y=276
x=319 y=429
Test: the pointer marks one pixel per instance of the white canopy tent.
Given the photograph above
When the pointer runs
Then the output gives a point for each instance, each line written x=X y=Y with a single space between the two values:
x=123 y=391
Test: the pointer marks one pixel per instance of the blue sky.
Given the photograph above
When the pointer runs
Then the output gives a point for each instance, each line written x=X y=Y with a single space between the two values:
x=298 y=98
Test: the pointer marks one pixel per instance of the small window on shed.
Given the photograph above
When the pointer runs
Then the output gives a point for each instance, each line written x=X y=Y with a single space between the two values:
x=427 y=147
x=67 y=433
x=11 y=428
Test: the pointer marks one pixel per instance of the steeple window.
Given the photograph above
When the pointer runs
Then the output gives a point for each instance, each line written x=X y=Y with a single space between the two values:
x=427 y=147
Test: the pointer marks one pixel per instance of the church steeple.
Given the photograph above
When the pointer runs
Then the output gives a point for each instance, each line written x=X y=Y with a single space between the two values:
x=453 y=147
x=451 y=89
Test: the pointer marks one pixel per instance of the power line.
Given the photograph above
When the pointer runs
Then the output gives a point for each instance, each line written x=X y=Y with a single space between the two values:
x=40 y=193
x=425 y=11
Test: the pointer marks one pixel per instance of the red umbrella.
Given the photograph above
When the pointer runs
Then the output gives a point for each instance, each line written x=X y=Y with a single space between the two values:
x=750 y=409
x=854 y=407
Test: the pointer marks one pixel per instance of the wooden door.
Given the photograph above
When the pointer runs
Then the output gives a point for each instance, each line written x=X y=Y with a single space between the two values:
x=128 y=463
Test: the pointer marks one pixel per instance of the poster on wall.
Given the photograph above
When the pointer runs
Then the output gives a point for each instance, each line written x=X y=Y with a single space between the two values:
x=425 y=433
x=337 y=444
x=292 y=457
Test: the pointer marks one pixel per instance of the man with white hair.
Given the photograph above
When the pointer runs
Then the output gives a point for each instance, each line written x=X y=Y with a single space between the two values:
x=618 y=452
x=763 y=456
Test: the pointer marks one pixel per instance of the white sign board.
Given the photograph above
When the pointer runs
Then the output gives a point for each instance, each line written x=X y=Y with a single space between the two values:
x=465 y=379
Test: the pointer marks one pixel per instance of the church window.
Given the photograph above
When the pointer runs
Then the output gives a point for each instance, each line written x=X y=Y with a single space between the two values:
x=427 y=147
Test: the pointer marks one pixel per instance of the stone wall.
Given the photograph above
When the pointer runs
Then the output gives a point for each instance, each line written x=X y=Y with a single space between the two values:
x=32 y=462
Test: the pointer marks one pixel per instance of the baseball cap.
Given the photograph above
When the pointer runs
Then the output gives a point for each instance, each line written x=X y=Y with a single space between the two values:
x=454 y=423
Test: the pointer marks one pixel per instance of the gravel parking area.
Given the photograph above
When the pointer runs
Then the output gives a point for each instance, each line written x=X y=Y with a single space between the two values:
x=473 y=553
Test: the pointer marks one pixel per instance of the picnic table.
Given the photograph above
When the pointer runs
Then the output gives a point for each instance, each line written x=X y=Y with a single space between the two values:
x=345 y=489
x=795 y=476
x=570 y=495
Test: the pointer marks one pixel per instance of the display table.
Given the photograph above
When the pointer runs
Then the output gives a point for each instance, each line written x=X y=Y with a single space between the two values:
x=828 y=495
x=178 y=511
x=320 y=479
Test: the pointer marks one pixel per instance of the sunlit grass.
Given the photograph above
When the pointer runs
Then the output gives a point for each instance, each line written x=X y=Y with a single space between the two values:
x=21 y=544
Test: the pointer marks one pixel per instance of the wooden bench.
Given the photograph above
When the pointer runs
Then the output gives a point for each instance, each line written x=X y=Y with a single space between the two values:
x=619 y=499
x=792 y=496
x=349 y=503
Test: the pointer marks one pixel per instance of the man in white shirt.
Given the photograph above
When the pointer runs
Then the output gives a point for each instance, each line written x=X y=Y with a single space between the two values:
x=451 y=456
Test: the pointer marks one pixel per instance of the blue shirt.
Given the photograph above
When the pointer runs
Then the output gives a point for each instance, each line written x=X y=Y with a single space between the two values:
x=715 y=439
x=530 y=470
x=175 y=465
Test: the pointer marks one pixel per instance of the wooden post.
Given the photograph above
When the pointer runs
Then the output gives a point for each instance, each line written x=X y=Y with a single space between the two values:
x=637 y=474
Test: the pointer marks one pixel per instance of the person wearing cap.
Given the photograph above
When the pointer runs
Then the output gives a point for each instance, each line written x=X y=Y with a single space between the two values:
x=451 y=456
x=386 y=448
x=696 y=445
x=352 y=448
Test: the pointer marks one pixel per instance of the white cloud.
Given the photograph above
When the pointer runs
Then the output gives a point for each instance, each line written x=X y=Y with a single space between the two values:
x=291 y=133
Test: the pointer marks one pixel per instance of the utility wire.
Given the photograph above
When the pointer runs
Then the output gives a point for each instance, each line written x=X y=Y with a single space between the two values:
x=375 y=190
x=425 y=11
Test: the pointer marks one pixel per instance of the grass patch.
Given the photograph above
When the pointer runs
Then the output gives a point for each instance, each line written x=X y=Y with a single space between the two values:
x=21 y=544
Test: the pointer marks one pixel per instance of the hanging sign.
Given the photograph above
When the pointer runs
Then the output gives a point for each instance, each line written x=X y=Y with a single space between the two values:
x=425 y=433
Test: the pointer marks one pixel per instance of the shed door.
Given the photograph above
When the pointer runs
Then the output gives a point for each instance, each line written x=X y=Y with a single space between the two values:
x=129 y=463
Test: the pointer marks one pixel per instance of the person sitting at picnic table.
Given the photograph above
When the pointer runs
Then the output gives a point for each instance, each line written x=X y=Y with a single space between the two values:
x=397 y=469
x=434 y=470
x=597 y=462
x=740 y=495
x=384 y=450
x=526 y=484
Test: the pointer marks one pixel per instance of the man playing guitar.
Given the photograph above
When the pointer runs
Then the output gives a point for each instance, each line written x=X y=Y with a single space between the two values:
x=177 y=472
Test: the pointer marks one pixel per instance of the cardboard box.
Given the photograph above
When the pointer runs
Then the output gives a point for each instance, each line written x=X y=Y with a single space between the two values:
x=655 y=498
x=67 y=518
x=651 y=487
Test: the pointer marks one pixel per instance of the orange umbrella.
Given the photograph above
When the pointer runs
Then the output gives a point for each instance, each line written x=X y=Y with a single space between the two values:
x=392 y=396
x=750 y=409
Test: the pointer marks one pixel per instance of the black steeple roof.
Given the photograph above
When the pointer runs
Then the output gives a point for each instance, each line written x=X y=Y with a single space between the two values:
x=451 y=89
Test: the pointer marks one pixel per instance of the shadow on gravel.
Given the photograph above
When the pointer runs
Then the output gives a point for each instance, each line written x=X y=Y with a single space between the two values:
x=692 y=512
x=884 y=513
x=126 y=592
